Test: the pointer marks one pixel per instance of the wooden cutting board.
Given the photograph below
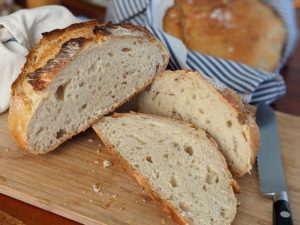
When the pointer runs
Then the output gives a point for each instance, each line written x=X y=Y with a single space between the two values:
x=62 y=182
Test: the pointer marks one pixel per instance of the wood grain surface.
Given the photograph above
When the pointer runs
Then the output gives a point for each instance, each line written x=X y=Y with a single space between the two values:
x=290 y=103
x=62 y=182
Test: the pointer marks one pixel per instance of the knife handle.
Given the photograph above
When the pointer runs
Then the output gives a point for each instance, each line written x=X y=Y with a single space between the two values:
x=282 y=213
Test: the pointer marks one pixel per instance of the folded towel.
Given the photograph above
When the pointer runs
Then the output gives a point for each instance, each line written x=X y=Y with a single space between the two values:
x=19 y=32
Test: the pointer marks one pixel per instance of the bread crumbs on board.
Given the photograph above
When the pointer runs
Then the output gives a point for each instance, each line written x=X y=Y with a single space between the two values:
x=114 y=196
x=163 y=221
x=97 y=188
x=107 y=163
x=130 y=221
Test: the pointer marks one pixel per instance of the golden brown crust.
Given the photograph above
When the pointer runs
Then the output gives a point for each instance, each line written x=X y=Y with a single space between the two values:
x=44 y=62
x=142 y=181
x=19 y=117
x=246 y=115
x=172 y=21
x=230 y=30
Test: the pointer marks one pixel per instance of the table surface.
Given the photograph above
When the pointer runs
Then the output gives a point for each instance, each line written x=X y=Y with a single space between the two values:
x=290 y=103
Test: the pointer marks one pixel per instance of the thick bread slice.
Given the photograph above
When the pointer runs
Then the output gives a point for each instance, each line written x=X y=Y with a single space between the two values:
x=75 y=76
x=190 y=97
x=179 y=166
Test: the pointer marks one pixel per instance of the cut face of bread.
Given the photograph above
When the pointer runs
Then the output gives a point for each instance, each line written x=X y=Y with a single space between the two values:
x=92 y=73
x=188 y=96
x=179 y=166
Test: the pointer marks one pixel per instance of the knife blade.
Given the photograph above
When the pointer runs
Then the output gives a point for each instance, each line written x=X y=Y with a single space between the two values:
x=270 y=170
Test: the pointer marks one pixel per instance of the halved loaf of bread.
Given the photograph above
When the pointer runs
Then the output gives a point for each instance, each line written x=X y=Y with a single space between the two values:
x=179 y=166
x=75 y=76
x=190 y=97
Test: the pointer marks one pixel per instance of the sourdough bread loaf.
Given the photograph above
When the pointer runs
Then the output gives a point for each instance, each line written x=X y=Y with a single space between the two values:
x=245 y=31
x=76 y=75
x=190 y=97
x=179 y=166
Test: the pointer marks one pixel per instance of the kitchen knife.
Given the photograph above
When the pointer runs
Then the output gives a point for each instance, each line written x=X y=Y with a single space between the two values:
x=270 y=170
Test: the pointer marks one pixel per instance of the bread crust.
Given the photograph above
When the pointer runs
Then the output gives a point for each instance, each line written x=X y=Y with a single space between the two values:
x=142 y=181
x=48 y=58
x=229 y=30
x=246 y=115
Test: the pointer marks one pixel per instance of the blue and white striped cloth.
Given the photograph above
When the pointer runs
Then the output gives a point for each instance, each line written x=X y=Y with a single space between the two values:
x=253 y=85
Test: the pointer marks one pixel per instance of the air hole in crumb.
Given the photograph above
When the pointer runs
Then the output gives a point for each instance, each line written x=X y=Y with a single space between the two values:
x=76 y=96
x=189 y=150
x=208 y=121
x=124 y=83
x=60 y=133
x=60 y=92
x=208 y=168
x=223 y=213
x=200 y=110
x=173 y=182
x=92 y=68
x=126 y=49
x=212 y=178
x=184 y=206
x=123 y=124
x=113 y=96
x=204 y=187
x=149 y=159
x=81 y=84
x=176 y=146
x=39 y=131
x=83 y=106
x=136 y=166
x=229 y=123
x=244 y=135
x=157 y=67
x=110 y=54
x=166 y=155
x=171 y=197
x=193 y=96
x=178 y=163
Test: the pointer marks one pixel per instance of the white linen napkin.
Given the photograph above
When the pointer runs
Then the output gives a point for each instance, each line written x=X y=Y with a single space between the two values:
x=19 y=32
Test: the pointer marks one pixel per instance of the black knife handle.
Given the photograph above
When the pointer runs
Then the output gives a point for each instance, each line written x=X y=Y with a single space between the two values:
x=282 y=213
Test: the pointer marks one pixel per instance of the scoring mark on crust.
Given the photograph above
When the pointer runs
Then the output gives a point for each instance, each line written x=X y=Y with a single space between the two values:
x=40 y=78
